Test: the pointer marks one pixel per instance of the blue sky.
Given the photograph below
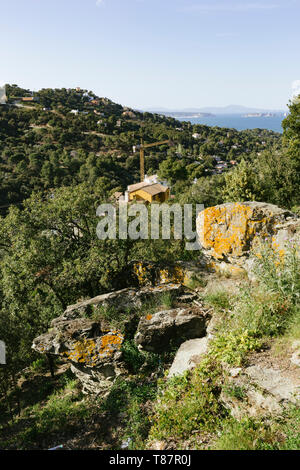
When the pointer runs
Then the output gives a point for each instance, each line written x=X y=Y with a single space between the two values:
x=149 y=53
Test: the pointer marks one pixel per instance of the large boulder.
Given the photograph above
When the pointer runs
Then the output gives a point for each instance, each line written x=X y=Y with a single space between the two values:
x=231 y=232
x=84 y=337
x=188 y=356
x=158 y=332
x=123 y=300
x=92 y=348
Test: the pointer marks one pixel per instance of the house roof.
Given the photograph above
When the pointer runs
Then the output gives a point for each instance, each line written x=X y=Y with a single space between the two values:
x=155 y=189
x=135 y=187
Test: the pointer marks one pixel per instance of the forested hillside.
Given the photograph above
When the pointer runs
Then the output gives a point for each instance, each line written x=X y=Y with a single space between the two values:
x=64 y=152
x=44 y=145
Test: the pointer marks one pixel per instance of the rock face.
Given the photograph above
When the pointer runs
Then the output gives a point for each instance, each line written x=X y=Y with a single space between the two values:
x=155 y=332
x=83 y=336
x=130 y=298
x=258 y=390
x=295 y=359
x=92 y=348
x=188 y=356
x=181 y=272
x=229 y=232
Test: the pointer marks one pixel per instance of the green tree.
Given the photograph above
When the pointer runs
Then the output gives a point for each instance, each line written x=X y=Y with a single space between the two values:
x=172 y=170
x=240 y=184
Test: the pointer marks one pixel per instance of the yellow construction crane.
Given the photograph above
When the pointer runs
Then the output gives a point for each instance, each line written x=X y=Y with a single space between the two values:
x=142 y=148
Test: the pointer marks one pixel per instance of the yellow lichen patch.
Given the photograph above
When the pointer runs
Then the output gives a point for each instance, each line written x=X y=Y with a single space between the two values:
x=173 y=274
x=222 y=236
x=88 y=351
x=148 y=317
x=227 y=269
x=142 y=273
x=231 y=231
x=145 y=274
x=110 y=343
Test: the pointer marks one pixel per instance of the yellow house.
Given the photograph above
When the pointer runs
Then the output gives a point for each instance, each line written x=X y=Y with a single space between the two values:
x=144 y=191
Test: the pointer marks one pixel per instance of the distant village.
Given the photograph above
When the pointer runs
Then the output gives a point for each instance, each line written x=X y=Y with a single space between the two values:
x=151 y=188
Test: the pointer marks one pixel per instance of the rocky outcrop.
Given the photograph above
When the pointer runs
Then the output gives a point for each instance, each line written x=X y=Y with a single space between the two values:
x=295 y=358
x=157 y=332
x=84 y=337
x=122 y=300
x=231 y=233
x=92 y=348
x=260 y=390
x=188 y=356
x=181 y=272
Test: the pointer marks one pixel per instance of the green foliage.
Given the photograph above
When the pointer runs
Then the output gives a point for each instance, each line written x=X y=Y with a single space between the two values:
x=132 y=357
x=242 y=435
x=234 y=391
x=273 y=175
x=240 y=184
x=166 y=300
x=219 y=299
x=39 y=365
x=133 y=399
x=196 y=281
x=280 y=273
x=232 y=347
x=186 y=404
x=55 y=413
x=172 y=170
x=252 y=434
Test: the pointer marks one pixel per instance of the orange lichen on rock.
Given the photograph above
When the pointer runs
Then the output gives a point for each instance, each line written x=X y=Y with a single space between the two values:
x=232 y=229
x=148 y=273
x=173 y=274
x=110 y=343
x=89 y=351
x=226 y=232
x=141 y=273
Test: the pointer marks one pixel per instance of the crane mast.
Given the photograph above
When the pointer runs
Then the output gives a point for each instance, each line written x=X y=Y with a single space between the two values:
x=142 y=148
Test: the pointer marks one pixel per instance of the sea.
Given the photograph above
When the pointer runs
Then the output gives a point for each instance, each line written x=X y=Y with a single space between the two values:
x=239 y=122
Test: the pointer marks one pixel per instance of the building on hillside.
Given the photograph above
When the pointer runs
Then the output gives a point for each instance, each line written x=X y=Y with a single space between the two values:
x=94 y=102
x=149 y=190
x=29 y=99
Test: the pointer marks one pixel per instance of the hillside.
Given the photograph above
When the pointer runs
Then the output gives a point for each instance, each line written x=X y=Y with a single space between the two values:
x=143 y=343
x=44 y=145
